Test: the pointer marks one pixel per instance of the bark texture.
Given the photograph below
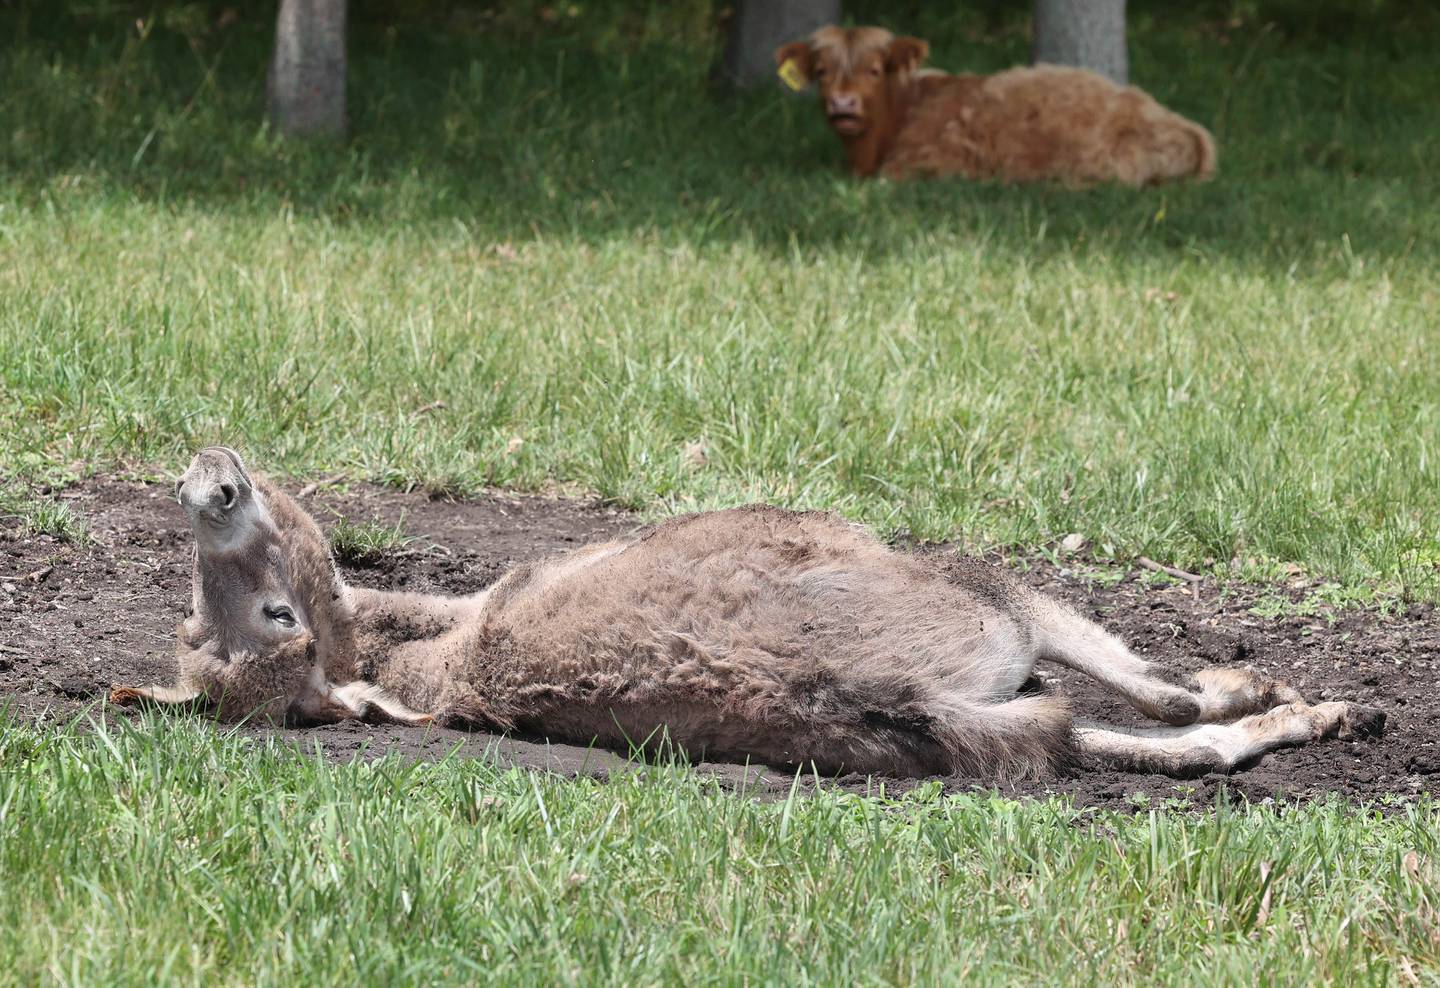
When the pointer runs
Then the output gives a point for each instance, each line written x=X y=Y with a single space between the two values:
x=758 y=27
x=1089 y=34
x=306 y=85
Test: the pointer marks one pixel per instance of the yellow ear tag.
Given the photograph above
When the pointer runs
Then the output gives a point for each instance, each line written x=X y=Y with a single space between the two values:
x=790 y=74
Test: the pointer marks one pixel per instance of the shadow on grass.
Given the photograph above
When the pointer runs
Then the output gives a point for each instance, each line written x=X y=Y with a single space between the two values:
x=1326 y=148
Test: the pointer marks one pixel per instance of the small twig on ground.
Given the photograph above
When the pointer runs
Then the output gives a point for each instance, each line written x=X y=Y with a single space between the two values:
x=430 y=548
x=309 y=489
x=1179 y=574
x=34 y=576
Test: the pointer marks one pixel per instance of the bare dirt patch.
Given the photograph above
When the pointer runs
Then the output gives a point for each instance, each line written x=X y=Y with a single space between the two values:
x=74 y=619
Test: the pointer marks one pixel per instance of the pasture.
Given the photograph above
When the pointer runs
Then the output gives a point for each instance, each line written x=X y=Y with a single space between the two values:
x=553 y=260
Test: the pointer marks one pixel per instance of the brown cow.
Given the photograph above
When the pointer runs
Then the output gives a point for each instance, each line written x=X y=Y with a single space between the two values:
x=1021 y=125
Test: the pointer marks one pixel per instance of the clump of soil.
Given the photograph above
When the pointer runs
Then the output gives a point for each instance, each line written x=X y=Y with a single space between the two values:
x=76 y=618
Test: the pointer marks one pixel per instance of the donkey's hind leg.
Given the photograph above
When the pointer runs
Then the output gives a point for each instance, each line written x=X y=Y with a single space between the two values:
x=1210 y=696
x=1201 y=748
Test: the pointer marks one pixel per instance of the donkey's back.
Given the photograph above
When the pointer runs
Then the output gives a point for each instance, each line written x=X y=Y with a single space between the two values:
x=787 y=636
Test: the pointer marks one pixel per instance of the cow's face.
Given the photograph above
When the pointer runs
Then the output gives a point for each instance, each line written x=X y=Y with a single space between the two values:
x=854 y=69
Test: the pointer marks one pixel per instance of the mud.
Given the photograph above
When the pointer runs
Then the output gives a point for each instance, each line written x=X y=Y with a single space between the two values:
x=74 y=619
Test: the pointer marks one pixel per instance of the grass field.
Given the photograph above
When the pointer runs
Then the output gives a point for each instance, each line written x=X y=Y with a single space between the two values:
x=571 y=241
x=551 y=254
x=171 y=854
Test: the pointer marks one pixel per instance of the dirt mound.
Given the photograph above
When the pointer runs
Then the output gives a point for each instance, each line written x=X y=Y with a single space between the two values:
x=74 y=619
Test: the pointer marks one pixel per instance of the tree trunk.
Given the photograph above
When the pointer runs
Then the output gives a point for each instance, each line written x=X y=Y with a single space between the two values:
x=758 y=27
x=1087 y=33
x=306 y=86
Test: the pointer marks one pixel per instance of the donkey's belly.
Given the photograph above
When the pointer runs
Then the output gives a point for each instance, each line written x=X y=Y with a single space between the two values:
x=686 y=730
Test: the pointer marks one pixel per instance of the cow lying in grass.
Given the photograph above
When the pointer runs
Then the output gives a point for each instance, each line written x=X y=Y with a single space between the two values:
x=754 y=633
x=1023 y=125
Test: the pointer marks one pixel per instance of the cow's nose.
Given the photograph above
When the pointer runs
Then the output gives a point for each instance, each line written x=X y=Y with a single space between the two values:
x=844 y=103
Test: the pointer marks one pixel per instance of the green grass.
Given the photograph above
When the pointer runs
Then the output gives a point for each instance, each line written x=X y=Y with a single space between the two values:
x=366 y=543
x=168 y=852
x=562 y=233
x=39 y=515
x=555 y=231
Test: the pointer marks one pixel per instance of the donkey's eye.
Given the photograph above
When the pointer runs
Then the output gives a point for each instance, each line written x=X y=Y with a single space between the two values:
x=280 y=614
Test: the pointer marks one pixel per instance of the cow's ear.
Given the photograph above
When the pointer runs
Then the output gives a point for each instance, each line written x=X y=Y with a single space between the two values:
x=906 y=54
x=798 y=54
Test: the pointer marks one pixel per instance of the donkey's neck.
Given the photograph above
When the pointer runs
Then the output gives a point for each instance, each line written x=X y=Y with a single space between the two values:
x=406 y=642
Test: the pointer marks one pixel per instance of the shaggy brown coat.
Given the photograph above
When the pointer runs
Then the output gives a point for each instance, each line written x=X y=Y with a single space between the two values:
x=1021 y=125
x=790 y=638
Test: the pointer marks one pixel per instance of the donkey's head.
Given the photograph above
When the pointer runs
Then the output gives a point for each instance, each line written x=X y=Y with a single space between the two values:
x=266 y=612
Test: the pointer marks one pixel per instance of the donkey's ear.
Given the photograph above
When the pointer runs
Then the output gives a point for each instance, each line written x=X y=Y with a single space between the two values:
x=158 y=696
x=906 y=54
x=800 y=54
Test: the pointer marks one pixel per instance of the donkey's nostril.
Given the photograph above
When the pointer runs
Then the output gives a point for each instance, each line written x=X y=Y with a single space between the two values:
x=227 y=494
x=178 y=484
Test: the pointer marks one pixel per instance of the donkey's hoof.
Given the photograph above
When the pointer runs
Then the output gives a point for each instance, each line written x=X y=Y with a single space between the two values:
x=126 y=696
x=1361 y=721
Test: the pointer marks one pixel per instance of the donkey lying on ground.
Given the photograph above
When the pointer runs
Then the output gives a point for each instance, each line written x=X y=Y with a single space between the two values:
x=1021 y=125
x=788 y=638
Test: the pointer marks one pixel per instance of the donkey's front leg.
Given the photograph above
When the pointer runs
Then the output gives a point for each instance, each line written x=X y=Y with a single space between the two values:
x=354 y=701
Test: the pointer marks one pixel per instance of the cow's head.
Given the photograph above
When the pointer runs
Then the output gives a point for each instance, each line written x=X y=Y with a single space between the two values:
x=855 y=69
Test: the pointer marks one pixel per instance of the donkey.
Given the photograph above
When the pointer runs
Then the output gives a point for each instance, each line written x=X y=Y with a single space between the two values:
x=790 y=638
x=1025 y=124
